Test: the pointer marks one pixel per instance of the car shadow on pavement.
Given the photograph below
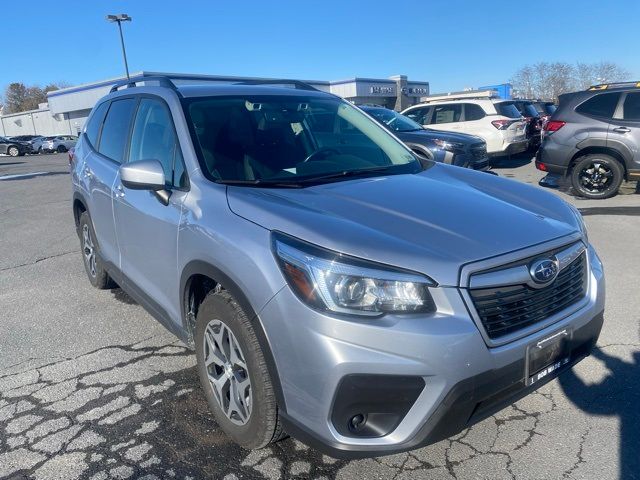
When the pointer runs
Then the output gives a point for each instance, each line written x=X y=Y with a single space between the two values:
x=617 y=394
x=122 y=296
x=512 y=161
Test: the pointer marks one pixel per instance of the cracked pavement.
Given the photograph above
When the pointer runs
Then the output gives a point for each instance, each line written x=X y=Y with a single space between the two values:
x=92 y=387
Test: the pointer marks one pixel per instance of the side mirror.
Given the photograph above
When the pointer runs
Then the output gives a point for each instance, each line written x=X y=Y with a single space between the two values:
x=143 y=175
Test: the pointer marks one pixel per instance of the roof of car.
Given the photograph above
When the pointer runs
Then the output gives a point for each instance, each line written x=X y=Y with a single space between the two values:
x=237 y=89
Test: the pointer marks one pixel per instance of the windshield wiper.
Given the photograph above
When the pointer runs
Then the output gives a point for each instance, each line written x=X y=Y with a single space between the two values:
x=260 y=183
x=344 y=174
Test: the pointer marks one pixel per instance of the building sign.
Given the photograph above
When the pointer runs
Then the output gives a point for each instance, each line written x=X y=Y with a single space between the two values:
x=415 y=91
x=379 y=90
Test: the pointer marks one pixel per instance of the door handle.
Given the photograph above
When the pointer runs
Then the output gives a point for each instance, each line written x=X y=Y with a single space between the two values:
x=622 y=130
x=119 y=191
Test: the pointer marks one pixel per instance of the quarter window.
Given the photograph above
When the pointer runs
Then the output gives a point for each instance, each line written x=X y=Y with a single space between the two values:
x=602 y=105
x=116 y=129
x=446 y=114
x=154 y=138
x=472 y=112
x=631 y=109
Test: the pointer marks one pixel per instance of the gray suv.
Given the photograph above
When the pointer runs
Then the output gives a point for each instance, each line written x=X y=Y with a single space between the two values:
x=333 y=286
x=593 y=139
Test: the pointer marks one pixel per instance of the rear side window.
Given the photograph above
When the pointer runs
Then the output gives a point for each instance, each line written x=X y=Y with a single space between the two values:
x=95 y=122
x=631 y=108
x=115 y=131
x=418 y=115
x=602 y=105
x=473 y=112
x=446 y=114
x=507 y=110
x=154 y=138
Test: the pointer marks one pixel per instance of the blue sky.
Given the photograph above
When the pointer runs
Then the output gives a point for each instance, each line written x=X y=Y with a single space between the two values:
x=452 y=44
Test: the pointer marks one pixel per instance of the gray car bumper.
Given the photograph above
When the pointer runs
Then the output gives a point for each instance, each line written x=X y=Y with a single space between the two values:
x=464 y=379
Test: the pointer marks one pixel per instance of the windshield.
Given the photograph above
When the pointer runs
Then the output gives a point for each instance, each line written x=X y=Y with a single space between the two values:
x=287 y=139
x=393 y=120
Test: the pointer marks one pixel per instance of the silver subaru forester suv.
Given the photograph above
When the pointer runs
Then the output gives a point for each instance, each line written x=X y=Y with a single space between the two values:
x=333 y=286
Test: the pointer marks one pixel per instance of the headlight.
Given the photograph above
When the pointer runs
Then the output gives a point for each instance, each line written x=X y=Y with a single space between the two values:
x=327 y=280
x=449 y=146
x=580 y=222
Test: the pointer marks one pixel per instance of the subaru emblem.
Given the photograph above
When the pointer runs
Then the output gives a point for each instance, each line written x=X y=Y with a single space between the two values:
x=544 y=270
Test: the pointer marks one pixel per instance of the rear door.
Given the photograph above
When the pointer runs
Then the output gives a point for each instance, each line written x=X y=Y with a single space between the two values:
x=100 y=170
x=624 y=130
x=147 y=229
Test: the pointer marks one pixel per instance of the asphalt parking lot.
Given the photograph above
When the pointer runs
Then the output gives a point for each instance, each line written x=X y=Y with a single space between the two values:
x=92 y=387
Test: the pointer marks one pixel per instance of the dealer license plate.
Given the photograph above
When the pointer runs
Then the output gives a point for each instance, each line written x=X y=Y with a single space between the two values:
x=547 y=356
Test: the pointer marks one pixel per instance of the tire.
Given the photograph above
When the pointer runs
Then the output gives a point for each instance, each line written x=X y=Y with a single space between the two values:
x=98 y=276
x=13 y=151
x=252 y=421
x=39 y=150
x=596 y=176
x=61 y=149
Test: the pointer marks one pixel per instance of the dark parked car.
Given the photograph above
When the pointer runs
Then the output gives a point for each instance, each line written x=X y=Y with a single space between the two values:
x=34 y=141
x=13 y=148
x=453 y=148
x=593 y=139
x=533 y=118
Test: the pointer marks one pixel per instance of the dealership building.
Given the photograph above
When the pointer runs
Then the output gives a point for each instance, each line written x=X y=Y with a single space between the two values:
x=68 y=108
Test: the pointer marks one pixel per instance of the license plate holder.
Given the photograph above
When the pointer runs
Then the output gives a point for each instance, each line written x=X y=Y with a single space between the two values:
x=547 y=355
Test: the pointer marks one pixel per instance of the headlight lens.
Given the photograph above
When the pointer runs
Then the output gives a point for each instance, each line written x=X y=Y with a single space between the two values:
x=327 y=280
x=449 y=146
x=580 y=221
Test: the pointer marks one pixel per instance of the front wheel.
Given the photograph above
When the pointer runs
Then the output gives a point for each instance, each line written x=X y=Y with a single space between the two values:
x=234 y=374
x=596 y=176
x=13 y=151
x=61 y=149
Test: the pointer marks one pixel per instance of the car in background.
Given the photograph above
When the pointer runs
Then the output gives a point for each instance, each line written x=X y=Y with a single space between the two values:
x=534 y=121
x=34 y=141
x=593 y=139
x=59 y=143
x=545 y=109
x=13 y=148
x=447 y=147
x=497 y=122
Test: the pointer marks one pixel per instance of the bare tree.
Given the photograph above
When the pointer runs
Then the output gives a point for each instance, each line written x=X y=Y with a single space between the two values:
x=18 y=97
x=548 y=80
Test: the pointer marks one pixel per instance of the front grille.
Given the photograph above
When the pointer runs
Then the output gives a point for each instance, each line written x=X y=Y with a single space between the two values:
x=479 y=150
x=507 y=309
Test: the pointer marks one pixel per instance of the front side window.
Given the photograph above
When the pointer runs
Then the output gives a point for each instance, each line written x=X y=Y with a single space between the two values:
x=115 y=131
x=394 y=121
x=631 y=108
x=446 y=114
x=418 y=115
x=602 y=105
x=154 y=138
x=286 y=139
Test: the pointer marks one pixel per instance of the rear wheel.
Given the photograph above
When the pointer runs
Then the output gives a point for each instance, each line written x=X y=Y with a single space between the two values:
x=233 y=373
x=96 y=272
x=596 y=176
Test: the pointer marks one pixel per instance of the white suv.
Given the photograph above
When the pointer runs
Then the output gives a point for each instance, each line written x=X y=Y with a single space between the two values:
x=497 y=121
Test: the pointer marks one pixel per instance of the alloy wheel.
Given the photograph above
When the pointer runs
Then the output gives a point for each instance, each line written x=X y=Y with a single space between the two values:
x=227 y=372
x=596 y=177
x=88 y=250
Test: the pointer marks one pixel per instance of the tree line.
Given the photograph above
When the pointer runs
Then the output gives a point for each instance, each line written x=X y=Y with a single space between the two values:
x=548 y=80
x=19 y=97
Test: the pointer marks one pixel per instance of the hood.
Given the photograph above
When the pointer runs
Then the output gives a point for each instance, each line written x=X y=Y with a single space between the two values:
x=433 y=222
x=427 y=134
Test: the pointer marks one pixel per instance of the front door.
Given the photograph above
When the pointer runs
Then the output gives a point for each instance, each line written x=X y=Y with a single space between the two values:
x=147 y=228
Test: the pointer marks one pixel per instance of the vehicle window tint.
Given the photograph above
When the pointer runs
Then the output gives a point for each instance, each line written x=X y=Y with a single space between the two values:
x=631 y=108
x=116 y=129
x=154 y=137
x=418 y=115
x=550 y=108
x=507 y=110
x=446 y=114
x=602 y=105
x=529 y=110
x=473 y=112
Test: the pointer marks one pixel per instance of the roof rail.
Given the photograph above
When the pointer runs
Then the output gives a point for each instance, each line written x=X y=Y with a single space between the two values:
x=609 y=86
x=130 y=83
x=297 y=84
x=472 y=94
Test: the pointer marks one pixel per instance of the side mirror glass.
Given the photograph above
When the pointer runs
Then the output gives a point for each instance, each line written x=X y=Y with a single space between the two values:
x=143 y=175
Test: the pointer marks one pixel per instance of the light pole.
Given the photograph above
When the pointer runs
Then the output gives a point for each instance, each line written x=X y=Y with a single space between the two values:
x=123 y=17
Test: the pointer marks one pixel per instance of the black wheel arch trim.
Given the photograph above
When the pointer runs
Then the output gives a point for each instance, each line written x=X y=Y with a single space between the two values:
x=615 y=148
x=198 y=267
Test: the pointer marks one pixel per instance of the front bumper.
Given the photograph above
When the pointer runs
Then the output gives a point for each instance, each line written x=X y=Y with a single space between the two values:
x=465 y=380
